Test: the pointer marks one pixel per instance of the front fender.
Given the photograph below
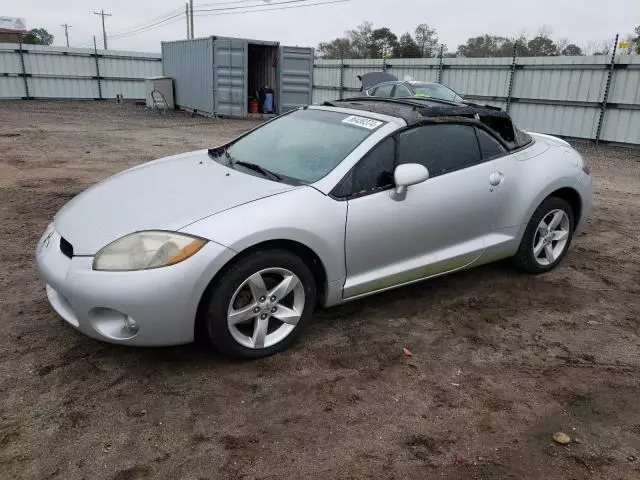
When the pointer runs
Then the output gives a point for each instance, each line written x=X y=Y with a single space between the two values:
x=303 y=215
x=563 y=182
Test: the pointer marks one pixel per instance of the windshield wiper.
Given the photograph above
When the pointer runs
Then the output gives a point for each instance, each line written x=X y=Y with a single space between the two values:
x=255 y=167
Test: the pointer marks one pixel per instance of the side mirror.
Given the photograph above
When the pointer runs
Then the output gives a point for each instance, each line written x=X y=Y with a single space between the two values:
x=405 y=175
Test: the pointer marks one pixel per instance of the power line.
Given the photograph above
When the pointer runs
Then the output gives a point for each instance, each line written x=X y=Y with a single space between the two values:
x=272 y=9
x=104 y=31
x=168 y=21
x=234 y=2
x=145 y=23
x=249 y=6
x=151 y=26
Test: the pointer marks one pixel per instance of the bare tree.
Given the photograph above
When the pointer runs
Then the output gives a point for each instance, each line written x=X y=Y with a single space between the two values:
x=598 y=47
x=544 y=31
x=427 y=40
x=362 y=42
x=562 y=43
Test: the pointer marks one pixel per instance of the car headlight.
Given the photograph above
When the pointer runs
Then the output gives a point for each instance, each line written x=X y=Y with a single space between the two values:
x=144 y=250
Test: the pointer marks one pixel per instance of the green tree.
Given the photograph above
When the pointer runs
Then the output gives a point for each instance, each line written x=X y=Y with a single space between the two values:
x=338 y=48
x=636 y=40
x=505 y=46
x=484 y=46
x=384 y=42
x=427 y=40
x=407 y=47
x=571 y=50
x=38 y=36
x=542 y=46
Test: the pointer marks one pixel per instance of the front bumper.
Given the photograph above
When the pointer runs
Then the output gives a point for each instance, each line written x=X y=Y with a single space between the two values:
x=147 y=308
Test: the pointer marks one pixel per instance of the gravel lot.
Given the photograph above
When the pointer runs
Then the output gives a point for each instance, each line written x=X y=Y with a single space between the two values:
x=501 y=360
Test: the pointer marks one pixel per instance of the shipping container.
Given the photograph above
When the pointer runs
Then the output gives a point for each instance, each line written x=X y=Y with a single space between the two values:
x=220 y=75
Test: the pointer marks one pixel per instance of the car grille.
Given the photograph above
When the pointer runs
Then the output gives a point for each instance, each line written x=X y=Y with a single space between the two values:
x=66 y=247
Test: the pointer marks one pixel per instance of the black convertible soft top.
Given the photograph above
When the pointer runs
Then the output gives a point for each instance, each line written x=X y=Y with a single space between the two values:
x=372 y=79
x=418 y=110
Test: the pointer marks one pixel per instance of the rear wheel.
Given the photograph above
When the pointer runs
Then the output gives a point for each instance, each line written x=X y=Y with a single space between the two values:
x=259 y=305
x=547 y=237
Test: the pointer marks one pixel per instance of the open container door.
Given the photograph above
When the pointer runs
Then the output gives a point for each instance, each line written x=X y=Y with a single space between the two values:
x=230 y=76
x=295 y=78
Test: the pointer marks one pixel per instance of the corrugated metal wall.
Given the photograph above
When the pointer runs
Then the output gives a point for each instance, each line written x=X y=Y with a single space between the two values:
x=555 y=95
x=190 y=64
x=57 y=72
x=295 y=84
x=230 y=76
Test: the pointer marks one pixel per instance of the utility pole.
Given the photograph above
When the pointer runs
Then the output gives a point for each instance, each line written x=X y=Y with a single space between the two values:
x=192 y=34
x=66 y=32
x=104 y=32
x=186 y=10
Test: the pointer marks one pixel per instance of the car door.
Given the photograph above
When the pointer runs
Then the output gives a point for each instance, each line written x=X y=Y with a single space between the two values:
x=437 y=227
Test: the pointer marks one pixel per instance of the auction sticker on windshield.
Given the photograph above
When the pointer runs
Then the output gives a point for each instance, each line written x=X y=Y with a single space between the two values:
x=363 y=122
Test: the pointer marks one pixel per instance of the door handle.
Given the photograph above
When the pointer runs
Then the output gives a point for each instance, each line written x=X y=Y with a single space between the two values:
x=496 y=178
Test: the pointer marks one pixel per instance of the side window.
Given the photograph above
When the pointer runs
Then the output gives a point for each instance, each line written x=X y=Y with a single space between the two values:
x=401 y=91
x=372 y=173
x=442 y=148
x=489 y=146
x=383 y=90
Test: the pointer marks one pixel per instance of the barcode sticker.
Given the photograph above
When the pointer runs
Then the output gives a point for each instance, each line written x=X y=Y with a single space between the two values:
x=363 y=122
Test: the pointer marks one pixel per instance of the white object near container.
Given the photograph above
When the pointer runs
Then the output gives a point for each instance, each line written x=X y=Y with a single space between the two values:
x=163 y=85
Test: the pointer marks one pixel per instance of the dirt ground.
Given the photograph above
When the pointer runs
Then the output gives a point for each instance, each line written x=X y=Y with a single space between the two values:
x=501 y=360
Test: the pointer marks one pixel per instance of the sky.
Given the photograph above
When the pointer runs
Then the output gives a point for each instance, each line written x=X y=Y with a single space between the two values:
x=582 y=21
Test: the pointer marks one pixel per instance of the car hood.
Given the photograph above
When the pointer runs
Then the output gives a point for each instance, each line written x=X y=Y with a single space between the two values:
x=165 y=194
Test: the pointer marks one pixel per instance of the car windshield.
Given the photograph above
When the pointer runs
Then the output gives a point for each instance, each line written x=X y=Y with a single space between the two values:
x=304 y=145
x=436 y=91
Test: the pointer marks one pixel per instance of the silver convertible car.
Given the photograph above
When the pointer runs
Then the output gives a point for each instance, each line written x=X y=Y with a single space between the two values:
x=238 y=244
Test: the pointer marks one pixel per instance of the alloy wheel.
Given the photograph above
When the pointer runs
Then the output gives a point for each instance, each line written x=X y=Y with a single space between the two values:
x=551 y=237
x=266 y=308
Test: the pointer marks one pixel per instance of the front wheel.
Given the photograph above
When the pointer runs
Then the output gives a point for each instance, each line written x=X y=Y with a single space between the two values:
x=547 y=237
x=260 y=304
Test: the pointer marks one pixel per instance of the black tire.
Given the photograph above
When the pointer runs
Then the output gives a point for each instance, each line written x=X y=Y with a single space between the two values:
x=214 y=321
x=524 y=259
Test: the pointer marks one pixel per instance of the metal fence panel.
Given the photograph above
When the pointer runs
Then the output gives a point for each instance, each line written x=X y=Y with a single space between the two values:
x=414 y=68
x=54 y=63
x=487 y=77
x=357 y=67
x=11 y=87
x=622 y=125
x=77 y=88
x=568 y=121
x=133 y=68
x=556 y=95
x=580 y=79
x=625 y=87
x=126 y=88
x=59 y=72
x=9 y=60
